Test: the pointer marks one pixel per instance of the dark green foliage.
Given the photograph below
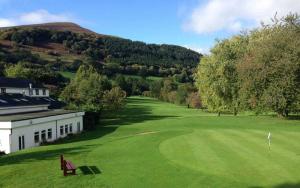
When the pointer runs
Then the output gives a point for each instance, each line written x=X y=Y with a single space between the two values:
x=89 y=91
x=35 y=73
x=114 y=99
x=256 y=71
x=120 y=55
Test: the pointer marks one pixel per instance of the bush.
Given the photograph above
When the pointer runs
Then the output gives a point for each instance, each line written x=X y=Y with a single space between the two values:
x=114 y=99
x=194 y=101
x=90 y=120
x=2 y=153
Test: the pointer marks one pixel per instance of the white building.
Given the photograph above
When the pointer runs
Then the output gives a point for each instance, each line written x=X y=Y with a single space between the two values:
x=21 y=86
x=26 y=121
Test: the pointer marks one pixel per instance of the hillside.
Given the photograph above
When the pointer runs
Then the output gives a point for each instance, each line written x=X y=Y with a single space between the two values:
x=57 y=26
x=64 y=46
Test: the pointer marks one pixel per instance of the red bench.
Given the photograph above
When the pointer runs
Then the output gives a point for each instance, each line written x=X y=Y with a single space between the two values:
x=67 y=166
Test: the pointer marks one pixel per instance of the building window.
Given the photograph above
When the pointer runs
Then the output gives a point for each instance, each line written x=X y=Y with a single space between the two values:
x=3 y=90
x=49 y=133
x=78 y=126
x=36 y=137
x=37 y=92
x=43 y=135
x=61 y=130
x=71 y=128
x=66 y=129
x=44 y=91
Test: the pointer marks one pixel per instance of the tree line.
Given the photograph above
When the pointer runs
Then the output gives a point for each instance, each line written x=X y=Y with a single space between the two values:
x=112 y=53
x=257 y=70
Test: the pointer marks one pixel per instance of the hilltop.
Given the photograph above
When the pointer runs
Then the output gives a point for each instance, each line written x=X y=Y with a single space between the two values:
x=57 y=26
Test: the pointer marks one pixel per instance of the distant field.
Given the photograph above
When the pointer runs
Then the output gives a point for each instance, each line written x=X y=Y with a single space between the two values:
x=67 y=74
x=153 y=78
x=156 y=144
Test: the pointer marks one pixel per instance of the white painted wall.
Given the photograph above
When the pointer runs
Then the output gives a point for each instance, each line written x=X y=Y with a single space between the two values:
x=21 y=109
x=10 y=143
x=25 y=91
x=5 y=140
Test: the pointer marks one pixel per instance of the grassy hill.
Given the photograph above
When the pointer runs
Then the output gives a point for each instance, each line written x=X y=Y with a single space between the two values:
x=156 y=144
x=64 y=46
x=57 y=26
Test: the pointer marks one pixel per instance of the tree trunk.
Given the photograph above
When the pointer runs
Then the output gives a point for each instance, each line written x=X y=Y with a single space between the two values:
x=286 y=113
x=219 y=113
x=235 y=112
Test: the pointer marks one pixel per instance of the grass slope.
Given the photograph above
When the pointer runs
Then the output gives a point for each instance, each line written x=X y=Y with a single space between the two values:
x=155 y=144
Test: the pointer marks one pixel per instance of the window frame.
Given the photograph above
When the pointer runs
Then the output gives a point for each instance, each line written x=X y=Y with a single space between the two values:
x=43 y=135
x=71 y=128
x=36 y=137
x=49 y=133
x=3 y=90
x=61 y=130
x=67 y=129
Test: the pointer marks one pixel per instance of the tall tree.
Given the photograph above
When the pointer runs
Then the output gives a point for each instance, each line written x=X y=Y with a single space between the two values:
x=217 y=77
x=270 y=71
x=85 y=92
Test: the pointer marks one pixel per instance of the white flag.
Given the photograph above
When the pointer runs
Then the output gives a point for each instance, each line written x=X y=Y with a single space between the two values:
x=269 y=136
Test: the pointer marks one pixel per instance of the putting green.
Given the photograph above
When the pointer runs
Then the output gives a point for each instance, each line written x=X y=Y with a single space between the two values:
x=238 y=155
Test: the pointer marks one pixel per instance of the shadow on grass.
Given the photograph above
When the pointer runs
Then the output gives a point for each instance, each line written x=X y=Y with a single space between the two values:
x=90 y=170
x=288 y=185
x=293 y=117
x=284 y=185
x=134 y=112
x=21 y=157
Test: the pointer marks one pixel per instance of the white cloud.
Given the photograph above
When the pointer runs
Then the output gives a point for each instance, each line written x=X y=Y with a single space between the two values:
x=6 y=22
x=234 y=15
x=35 y=17
x=198 y=49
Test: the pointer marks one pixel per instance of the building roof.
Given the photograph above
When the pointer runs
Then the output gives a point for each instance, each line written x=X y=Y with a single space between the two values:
x=35 y=115
x=13 y=100
x=18 y=83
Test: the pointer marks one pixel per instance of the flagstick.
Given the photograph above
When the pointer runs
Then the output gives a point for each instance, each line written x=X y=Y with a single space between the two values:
x=269 y=138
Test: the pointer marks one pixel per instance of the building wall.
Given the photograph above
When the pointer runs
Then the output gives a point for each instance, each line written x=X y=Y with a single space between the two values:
x=25 y=91
x=5 y=140
x=10 y=142
x=21 y=109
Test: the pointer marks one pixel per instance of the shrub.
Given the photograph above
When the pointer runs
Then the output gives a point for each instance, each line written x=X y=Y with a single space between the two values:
x=114 y=99
x=193 y=100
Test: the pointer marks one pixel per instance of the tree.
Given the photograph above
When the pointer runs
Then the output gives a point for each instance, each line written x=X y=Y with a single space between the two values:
x=258 y=70
x=193 y=100
x=114 y=99
x=270 y=70
x=2 y=69
x=85 y=92
x=17 y=71
x=183 y=91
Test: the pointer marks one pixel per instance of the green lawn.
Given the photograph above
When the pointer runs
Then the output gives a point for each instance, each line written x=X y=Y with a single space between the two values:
x=156 y=144
x=66 y=74
x=151 y=78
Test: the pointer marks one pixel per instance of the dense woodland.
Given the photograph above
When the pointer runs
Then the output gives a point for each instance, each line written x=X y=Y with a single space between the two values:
x=111 y=54
x=258 y=70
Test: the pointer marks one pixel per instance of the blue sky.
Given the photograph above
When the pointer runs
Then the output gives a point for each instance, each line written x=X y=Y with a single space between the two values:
x=190 y=23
